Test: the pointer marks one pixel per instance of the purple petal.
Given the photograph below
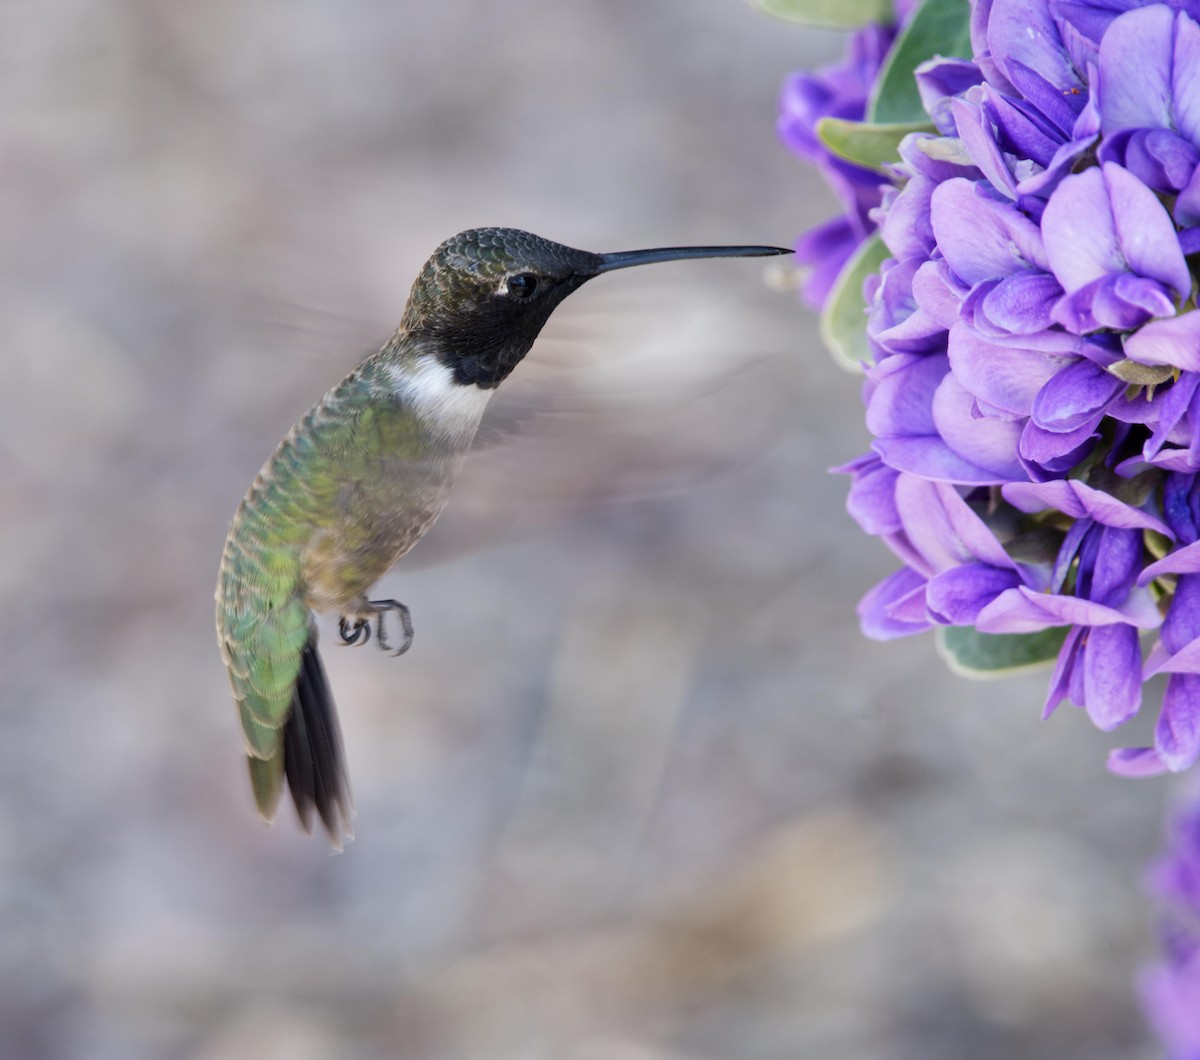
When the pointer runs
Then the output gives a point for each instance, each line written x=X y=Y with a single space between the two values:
x=902 y=402
x=907 y=229
x=1083 y=25
x=1052 y=452
x=854 y=467
x=1134 y=77
x=1185 y=70
x=973 y=125
x=1007 y=379
x=1185 y=560
x=915 y=333
x=1187 y=205
x=1182 y=626
x=1117 y=301
x=1115 y=568
x=1189 y=238
x=1112 y=675
x=1079 y=232
x=1022 y=610
x=1064 y=671
x=982 y=238
x=1060 y=164
x=1074 y=396
x=936 y=293
x=1159 y=158
x=1173 y=405
x=1013 y=612
x=977 y=538
x=892 y=309
x=1177 y=735
x=1026 y=133
x=874 y=608
x=872 y=498
x=1145 y=231
x=1149 y=65
x=1185 y=661
x=1136 y=762
x=940 y=80
x=1104 y=221
x=1075 y=690
x=1124 y=301
x=1080 y=501
x=1181 y=504
x=1176 y=460
x=956 y=596
x=942 y=528
x=909 y=609
x=1020 y=304
x=927 y=524
x=1046 y=95
x=932 y=458
x=1175 y=342
x=1018 y=31
x=1077 y=534
x=990 y=444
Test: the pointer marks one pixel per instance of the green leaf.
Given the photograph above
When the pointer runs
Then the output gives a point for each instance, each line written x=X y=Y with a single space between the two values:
x=844 y=318
x=938 y=27
x=981 y=655
x=872 y=146
x=831 y=14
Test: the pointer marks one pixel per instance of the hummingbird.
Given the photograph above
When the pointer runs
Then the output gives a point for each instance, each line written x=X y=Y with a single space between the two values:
x=360 y=479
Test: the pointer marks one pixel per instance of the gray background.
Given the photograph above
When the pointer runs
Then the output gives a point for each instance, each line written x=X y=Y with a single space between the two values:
x=640 y=790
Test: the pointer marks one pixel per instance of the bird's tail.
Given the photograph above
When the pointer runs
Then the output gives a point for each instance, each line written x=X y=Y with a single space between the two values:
x=309 y=755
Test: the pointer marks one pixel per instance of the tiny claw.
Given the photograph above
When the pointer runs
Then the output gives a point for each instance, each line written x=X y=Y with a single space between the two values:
x=406 y=626
x=355 y=634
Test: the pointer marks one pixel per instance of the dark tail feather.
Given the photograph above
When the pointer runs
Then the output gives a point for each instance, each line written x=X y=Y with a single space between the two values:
x=312 y=751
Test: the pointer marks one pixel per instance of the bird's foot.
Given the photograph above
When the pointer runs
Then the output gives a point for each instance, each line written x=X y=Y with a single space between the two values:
x=354 y=633
x=406 y=626
x=356 y=630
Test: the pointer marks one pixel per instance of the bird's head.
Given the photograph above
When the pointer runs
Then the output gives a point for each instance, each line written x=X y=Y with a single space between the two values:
x=485 y=294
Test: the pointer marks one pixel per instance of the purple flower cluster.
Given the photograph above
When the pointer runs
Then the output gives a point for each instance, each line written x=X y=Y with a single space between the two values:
x=1170 y=988
x=1035 y=391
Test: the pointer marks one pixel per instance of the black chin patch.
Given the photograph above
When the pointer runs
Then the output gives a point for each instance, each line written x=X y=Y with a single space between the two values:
x=485 y=340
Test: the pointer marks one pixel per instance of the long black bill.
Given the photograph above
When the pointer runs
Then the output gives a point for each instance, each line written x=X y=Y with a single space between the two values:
x=625 y=258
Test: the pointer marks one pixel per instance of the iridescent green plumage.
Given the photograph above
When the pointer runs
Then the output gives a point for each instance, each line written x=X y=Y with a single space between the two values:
x=350 y=489
x=359 y=480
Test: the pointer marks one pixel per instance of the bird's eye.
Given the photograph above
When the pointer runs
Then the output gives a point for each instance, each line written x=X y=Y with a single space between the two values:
x=522 y=285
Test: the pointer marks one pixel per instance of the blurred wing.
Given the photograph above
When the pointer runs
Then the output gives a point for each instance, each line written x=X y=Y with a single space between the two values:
x=560 y=442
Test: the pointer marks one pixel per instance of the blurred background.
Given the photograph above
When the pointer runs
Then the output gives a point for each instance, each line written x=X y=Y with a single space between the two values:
x=640 y=791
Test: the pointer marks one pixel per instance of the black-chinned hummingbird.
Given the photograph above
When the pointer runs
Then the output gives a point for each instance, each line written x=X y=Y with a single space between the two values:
x=357 y=482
